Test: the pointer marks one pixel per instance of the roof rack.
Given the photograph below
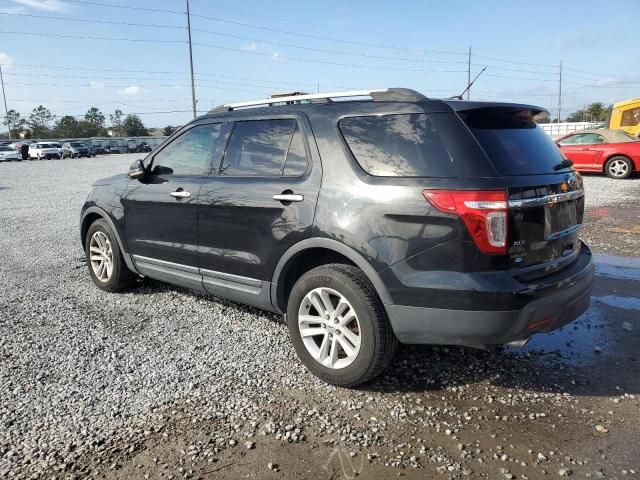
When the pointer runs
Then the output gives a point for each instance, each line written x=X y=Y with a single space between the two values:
x=389 y=95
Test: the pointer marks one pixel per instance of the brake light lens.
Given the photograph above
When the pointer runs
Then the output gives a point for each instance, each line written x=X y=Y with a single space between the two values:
x=484 y=212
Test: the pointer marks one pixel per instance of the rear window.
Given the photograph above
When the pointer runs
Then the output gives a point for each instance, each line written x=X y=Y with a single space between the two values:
x=513 y=141
x=404 y=145
x=78 y=145
x=6 y=149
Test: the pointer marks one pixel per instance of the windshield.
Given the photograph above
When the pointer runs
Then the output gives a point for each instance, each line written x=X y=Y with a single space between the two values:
x=44 y=145
x=512 y=140
x=6 y=149
x=76 y=144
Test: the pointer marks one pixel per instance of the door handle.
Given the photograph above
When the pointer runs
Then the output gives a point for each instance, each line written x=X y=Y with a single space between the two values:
x=288 y=197
x=180 y=194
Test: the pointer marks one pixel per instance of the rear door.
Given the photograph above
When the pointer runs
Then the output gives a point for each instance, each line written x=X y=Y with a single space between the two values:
x=584 y=150
x=256 y=203
x=545 y=197
x=160 y=211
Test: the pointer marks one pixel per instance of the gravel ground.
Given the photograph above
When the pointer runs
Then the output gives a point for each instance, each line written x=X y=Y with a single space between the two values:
x=152 y=384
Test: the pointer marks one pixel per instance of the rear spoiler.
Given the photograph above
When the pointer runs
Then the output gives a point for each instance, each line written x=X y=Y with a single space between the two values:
x=460 y=106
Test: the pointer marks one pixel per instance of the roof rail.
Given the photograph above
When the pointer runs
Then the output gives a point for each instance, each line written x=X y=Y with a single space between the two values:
x=389 y=95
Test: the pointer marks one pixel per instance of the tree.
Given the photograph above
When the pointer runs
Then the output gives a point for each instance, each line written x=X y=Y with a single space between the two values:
x=594 y=112
x=597 y=112
x=67 y=126
x=168 y=130
x=15 y=122
x=133 y=126
x=93 y=124
x=39 y=122
x=116 y=123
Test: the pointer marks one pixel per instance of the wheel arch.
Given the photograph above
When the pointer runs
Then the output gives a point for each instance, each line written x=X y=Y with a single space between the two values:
x=330 y=251
x=89 y=216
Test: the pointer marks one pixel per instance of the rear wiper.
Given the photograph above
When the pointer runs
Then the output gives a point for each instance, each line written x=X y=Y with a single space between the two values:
x=563 y=164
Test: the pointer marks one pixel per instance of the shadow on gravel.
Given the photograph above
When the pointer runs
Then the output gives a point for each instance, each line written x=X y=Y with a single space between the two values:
x=591 y=356
x=419 y=368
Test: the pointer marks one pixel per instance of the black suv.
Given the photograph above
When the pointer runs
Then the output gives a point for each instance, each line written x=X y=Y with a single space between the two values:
x=366 y=222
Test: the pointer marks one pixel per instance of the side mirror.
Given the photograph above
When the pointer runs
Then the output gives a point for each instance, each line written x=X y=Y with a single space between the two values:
x=137 y=169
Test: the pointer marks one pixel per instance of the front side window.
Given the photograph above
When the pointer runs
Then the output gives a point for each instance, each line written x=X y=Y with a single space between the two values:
x=630 y=118
x=189 y=153
x=397 y=146
x=258 y=148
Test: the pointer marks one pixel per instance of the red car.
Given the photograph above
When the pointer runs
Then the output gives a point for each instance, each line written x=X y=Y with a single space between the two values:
x=613 y=152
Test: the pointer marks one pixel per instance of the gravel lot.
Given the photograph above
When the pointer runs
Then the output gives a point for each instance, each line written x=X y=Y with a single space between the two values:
x=162 y=382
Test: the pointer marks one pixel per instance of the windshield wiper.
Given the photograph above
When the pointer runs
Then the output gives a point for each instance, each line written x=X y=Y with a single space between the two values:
x=563 y=164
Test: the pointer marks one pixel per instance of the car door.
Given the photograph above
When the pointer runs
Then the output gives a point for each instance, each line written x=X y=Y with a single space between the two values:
x=160 y=211
x=583 y=150
x=256 y=203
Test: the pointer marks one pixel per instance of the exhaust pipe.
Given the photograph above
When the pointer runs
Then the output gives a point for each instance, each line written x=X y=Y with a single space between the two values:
x=518 y=343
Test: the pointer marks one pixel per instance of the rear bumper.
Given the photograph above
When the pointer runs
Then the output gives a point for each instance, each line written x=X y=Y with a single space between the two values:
x=546 y=306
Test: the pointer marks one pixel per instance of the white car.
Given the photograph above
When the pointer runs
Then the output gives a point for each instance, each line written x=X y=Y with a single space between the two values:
x=42 y=150
x=8 y=153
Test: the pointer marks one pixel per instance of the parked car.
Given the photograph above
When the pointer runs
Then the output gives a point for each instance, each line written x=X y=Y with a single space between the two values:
x=75 y=149
x=396 y=218
x=42 y=150
x=613 y=152
x=8 y=153
x=57 y=145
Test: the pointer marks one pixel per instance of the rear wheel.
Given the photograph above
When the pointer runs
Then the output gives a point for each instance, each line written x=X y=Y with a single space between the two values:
x=338 y=325
x=106 y=264
x=618 y=167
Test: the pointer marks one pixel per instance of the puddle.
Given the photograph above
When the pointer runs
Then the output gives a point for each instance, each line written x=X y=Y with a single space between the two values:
x=626 y=268
x=601 y=331
x=626 y=303
x=577 y=342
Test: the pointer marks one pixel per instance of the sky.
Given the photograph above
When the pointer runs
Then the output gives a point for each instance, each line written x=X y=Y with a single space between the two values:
x=70 y=55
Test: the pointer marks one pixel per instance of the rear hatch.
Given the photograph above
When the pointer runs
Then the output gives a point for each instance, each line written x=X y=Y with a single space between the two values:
x=545 y=196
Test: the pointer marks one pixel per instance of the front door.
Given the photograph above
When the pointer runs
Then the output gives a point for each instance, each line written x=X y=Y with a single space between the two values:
x=257 y=203
x=582 y=149
x=160 y=211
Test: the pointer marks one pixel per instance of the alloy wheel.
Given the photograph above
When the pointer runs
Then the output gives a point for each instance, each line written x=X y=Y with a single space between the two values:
x=101 y=254
x=618 y=168
x=329 y=328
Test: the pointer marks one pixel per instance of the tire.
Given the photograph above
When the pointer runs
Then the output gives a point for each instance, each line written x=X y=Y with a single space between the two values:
x=618 y=167
x=377 y=343
x=120 y=277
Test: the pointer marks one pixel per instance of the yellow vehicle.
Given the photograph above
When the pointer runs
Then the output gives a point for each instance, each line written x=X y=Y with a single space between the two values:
x=625 y=116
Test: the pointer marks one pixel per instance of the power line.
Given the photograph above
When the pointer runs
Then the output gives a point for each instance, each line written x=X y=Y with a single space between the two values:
x=239 y=50
x=86 y=20
x=88 y=37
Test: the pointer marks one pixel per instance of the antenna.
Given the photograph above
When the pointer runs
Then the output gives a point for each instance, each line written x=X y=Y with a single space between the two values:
x=459 y=97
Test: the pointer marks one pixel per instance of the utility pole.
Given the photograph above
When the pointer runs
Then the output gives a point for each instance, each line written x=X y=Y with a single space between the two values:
x=6 y=110
x=560 y=92
x=469 y=73
x=193 y=86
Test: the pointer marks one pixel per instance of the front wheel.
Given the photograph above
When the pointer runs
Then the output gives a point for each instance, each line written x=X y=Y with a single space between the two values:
x=618 y=167
x=338 y=325
x=107 y=267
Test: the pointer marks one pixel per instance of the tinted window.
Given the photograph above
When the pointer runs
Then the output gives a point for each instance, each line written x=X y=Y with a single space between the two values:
x=189 y=153
x=78 y=144
x=6 y=149
x=630 y=118
x=397 y=146
x=514 y=143
x=296 y=163
x=257 y=147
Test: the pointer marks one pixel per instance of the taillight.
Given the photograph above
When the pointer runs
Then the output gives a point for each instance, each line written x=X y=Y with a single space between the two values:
x=483 y=212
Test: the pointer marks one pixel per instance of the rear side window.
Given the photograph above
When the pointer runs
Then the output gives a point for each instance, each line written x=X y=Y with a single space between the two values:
x=512 y=140
x=404 y=145
x=258 y=148
x=630 y=118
